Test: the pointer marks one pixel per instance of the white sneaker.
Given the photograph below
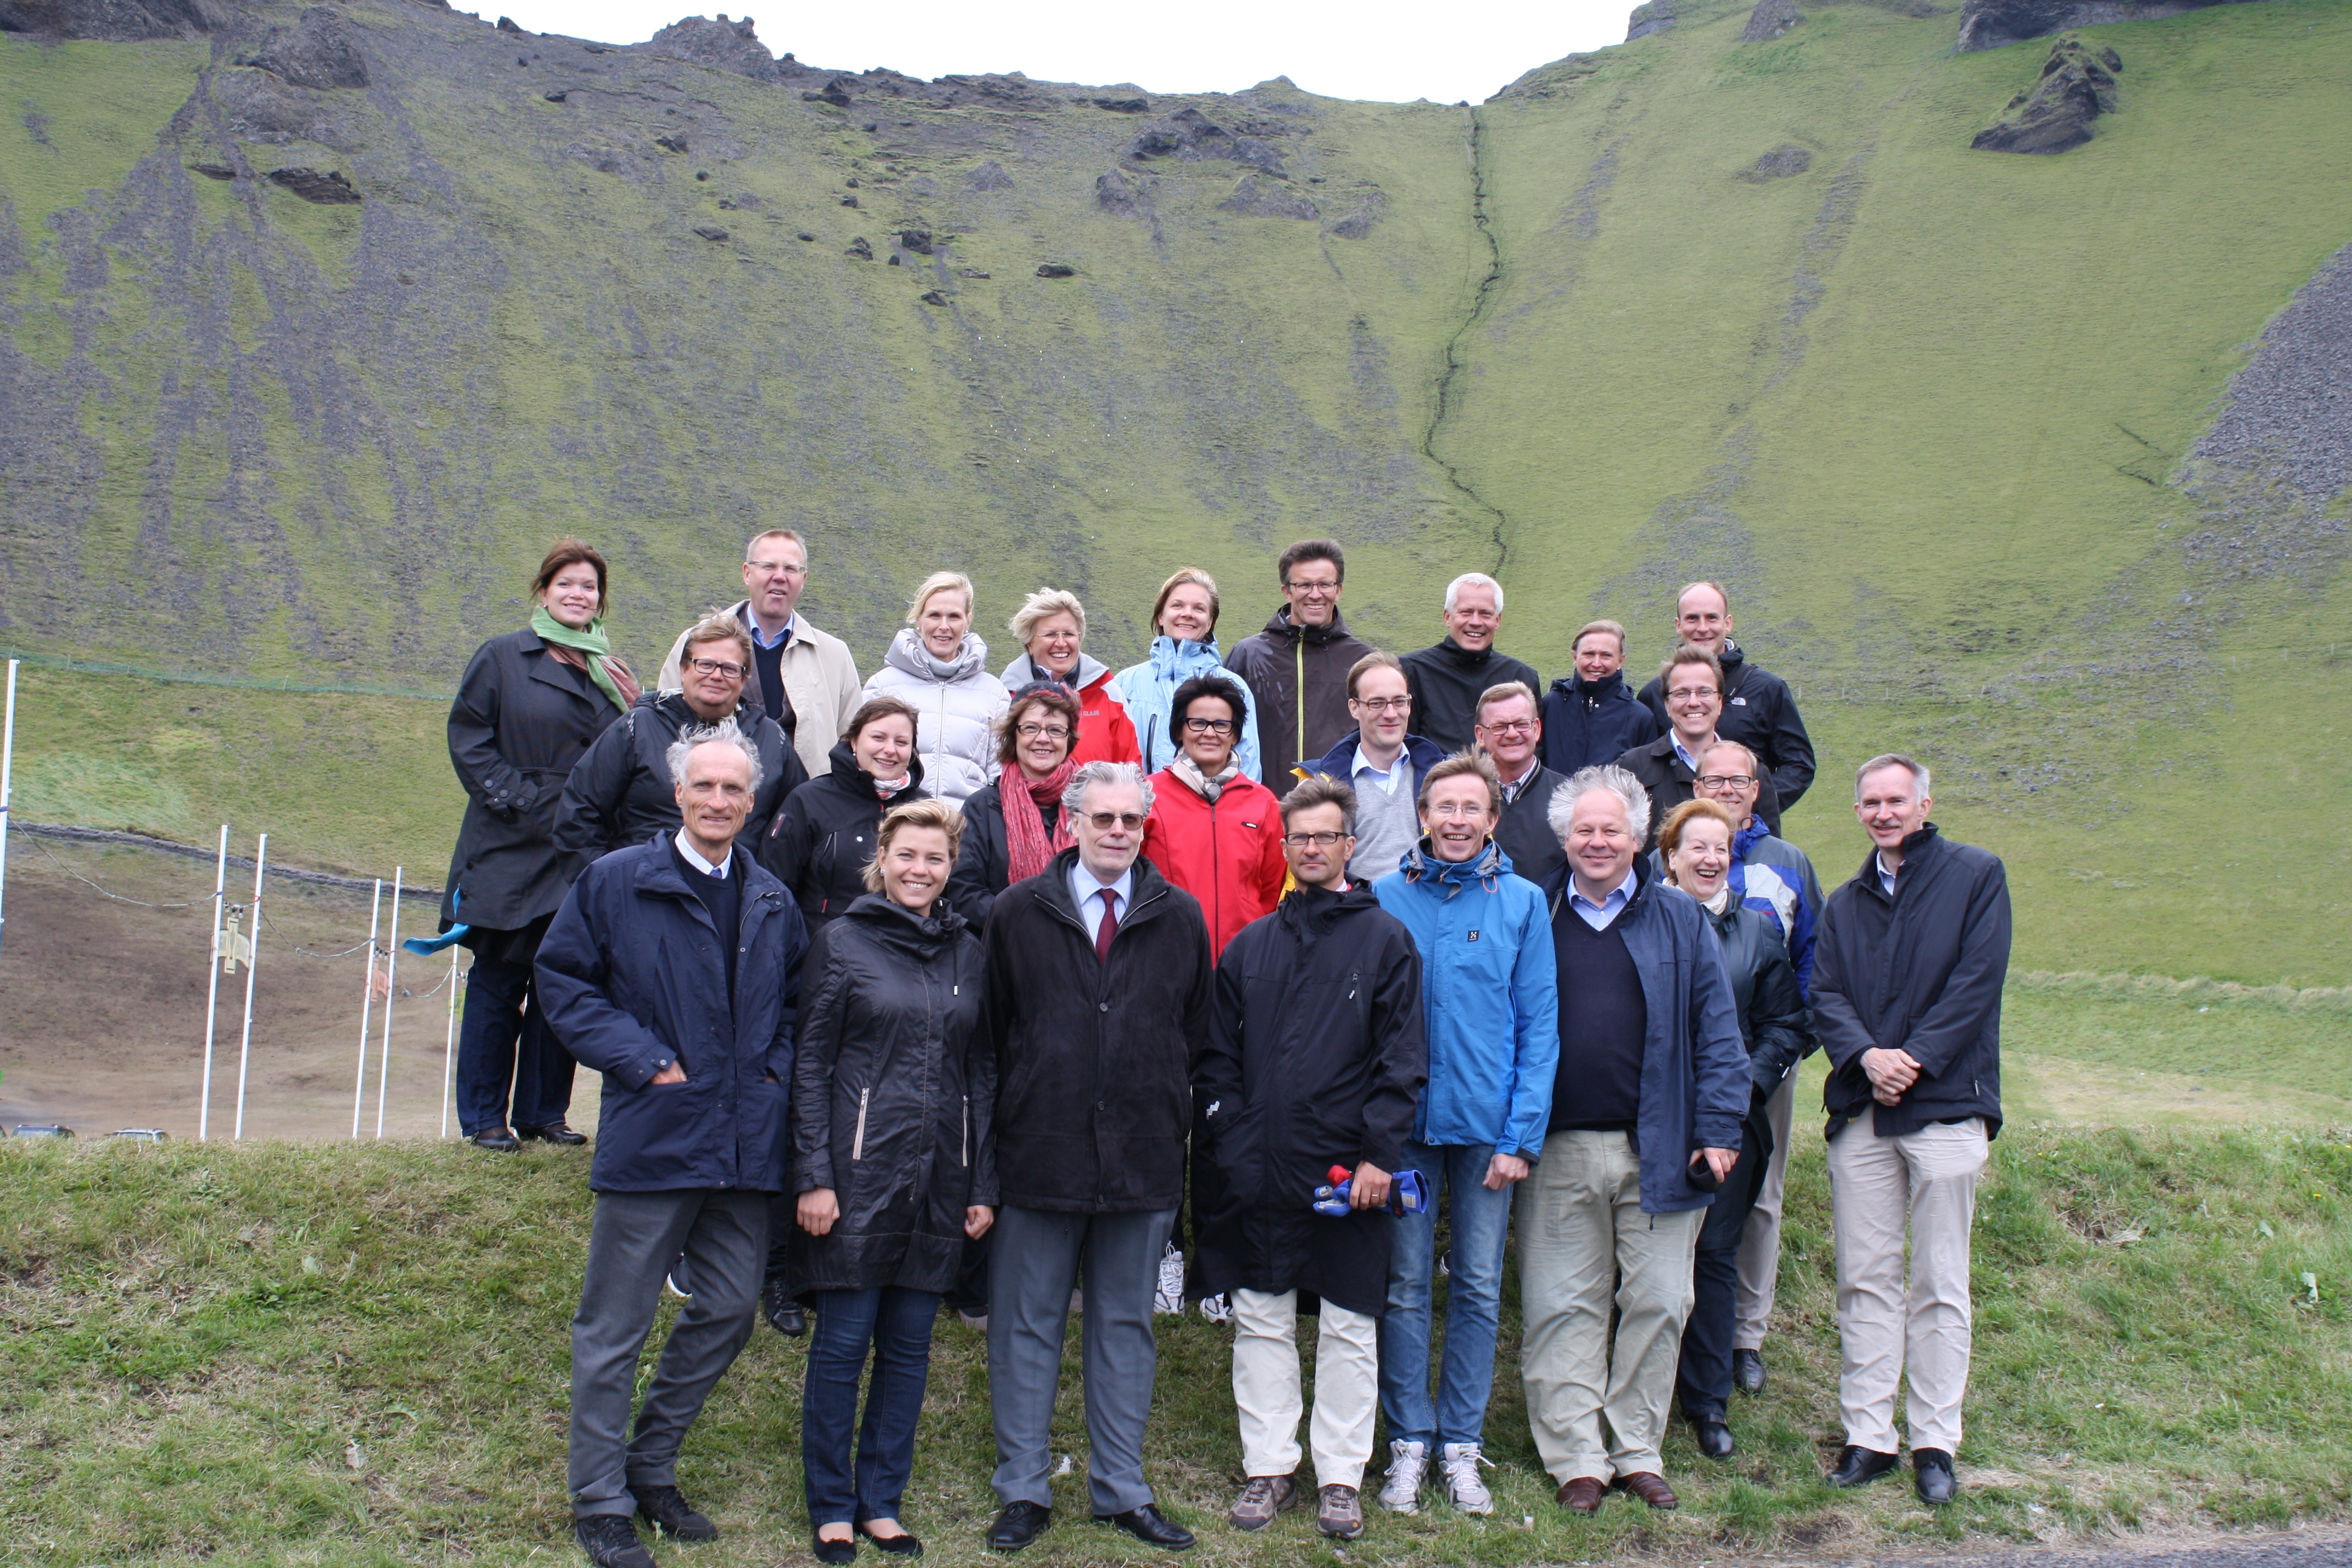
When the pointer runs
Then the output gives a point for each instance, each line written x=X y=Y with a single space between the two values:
x=1464 y=1489
x=1408 y=1465
x=1216 y=1308
x=1169 y=1297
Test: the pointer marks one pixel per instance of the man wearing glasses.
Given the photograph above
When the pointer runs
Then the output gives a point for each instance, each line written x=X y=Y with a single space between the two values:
x=620 y=792
x=1098 y=995
x=1511 y=734
x=1491 y=1002
x=1297 y=667
x=1382 y=764
x=1668 y=767
x=1757 y=709
x=1775 y=877
x=808 y=683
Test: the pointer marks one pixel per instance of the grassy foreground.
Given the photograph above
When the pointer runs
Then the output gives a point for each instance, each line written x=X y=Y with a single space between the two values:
x=300 y=1355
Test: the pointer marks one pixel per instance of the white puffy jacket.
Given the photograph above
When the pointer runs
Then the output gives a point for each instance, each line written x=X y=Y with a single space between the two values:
x=959 y=704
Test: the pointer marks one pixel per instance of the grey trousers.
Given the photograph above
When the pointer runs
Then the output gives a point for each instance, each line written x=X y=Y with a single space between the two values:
x=1759 y=1242
x=718 y=1243
x=1035 y=1259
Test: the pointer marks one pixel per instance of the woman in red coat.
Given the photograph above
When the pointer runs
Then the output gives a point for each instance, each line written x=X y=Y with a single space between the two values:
x=1050 y=625
x=1214 y=831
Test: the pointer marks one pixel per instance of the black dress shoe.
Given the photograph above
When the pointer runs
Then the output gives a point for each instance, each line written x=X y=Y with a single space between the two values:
x=1713 y=1436
x=842 y=1550
x=1932 y=1468
x=1747 y=1371
x=784 y=1310
x=1019 y=1523
x=495 y=1138
x=553 y=1132
x=1857 y=1466
x=1150 y=1526
x=667 y=1510
x=611 y=1542
x=902 y=1544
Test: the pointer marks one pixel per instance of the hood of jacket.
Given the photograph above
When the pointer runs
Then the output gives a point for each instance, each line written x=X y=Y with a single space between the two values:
x=907 y=654
x=1340 y=762
x=1279 y=625
x=1422 y=866
x=848 y=774
x=1749 y=837
x=1176 y=661
x=1315 y=910
x=1608 y=688
x=1091 y=672
x=901 y=927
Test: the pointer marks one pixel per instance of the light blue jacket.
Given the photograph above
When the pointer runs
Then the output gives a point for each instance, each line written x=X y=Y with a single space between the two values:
x=1491 y=989
x=1148 y=688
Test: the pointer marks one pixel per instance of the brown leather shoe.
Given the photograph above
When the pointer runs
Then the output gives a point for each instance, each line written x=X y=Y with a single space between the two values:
x=1582 y=1495
x=1651 y=1487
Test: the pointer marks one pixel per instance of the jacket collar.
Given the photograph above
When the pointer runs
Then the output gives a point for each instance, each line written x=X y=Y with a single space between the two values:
x=1921 y=850
x=1279 y=625
x=656 y=875
x=848 y=776
x=908 y=654
x=1598 y=690
x=1340 y=762
x=1024 y=669
x=901 y=927
x=1171 y=657
x=1453 y=653
x=1488 y=865
x=1314 y=911
x=1143 y=895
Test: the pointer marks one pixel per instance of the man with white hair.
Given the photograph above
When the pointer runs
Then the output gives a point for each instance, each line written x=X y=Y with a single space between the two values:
x=1099 y=976
x=803 y=677
x=1757 y=709
x=670 y=969
x=1446 y=678
x=1907 y=976
x=1651 y=1087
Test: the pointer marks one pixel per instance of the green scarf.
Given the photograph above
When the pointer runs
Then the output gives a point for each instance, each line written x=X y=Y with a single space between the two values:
x=592 y=644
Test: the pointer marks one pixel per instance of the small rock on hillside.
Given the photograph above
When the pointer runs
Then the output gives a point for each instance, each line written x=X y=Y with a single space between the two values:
x=989 y=176
x=1252 y=200
x=321 y=50
x=1990 y=24
x=1115 y=194
x=1781 y=161
x=2077 y=86
x=1191 y=136
x=1769 y=20
x=1057 y=269
x=329 y=189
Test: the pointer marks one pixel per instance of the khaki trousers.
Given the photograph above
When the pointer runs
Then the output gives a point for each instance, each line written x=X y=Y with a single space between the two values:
x=1266 y=1387
x=1759 y=1243
x=1583 y=1238
x=1929 y=1179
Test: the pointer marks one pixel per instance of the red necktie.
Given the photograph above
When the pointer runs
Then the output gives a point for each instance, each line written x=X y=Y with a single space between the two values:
x=1110 y=927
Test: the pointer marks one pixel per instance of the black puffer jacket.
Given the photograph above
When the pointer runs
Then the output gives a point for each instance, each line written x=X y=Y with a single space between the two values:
x=1921 y=972
x=1315 y=1059
x=1094 y=1097
x=620 y=792
x=1773 y=1019
x=1759 y=712
x=983 y=866
x=892 y=1092
x=823 y=834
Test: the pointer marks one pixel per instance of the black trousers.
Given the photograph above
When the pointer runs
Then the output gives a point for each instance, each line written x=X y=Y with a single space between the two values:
x=1703 y=1381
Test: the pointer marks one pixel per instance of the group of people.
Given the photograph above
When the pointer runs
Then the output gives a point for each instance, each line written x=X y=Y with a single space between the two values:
x=1220 y=978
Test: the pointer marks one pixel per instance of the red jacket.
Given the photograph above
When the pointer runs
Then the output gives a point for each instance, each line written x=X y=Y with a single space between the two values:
x=1228 y=855
x=1105 y=734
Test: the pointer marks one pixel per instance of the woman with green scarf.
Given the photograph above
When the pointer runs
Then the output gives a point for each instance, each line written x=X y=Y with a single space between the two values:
x=530 y=704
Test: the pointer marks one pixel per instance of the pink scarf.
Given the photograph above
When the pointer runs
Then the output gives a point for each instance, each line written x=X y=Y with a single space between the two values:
x=1030 y=848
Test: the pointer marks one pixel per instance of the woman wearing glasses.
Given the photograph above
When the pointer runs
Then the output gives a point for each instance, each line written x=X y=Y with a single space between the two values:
x=1014 y=827
x=1214 y=832
x=1050 y=625
x=621 y=792
x=937 y=664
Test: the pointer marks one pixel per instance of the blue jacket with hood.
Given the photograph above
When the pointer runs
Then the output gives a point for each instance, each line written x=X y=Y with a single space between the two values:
x=1148 y=688
x=1490 y=989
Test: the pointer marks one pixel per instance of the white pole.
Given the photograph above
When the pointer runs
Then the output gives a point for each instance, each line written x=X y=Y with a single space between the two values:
x=449 y=1053
x=391 y=990
x=212 y=988
x=7 y=772
x=252 y=964
x=367 y=1007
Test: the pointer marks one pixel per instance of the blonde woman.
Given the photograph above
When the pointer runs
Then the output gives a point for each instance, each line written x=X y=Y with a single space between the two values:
x=938 y=666
x=1184 y=616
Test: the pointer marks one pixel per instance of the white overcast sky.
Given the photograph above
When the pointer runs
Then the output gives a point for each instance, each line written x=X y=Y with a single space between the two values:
x=1365 y=49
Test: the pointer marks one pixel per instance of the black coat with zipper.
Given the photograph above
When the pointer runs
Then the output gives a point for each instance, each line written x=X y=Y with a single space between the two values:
x=894 y=1086
x=983 y=866
x=621 y=793
x=521 y=720
x=1299 y=677
x=1446 y=679
x=1590 y=723
x=1094 y=1059
x=1773 y=1019
x=1317 y=1056
x=1671 y=782
x=823 y=834
x=1920 y=971
x=1761 y=713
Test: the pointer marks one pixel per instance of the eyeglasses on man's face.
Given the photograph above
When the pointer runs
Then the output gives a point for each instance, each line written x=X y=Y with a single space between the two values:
x=1725 y=781
x=1692 y=694
x=1323 y=840
x=719 y=667
x=1382 y=704
x=1451 y=809
x=1208 y=726
x=1104 y=821
x=1510 y=727
x=1313 y=587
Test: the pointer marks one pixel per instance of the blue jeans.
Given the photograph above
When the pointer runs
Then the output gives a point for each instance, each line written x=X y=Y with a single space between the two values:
x=501 y=1043
x=895 y=1325
x=1474 y=1299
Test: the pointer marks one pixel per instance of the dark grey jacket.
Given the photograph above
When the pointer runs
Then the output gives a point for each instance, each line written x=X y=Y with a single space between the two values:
x=1921 y=972
x=620 y=792
x=823 y=835
x=1446 y=681
x=1526 y=832
x=1670 y=782
x=523 y=718
x=1772 y=1015
x=1759 y=713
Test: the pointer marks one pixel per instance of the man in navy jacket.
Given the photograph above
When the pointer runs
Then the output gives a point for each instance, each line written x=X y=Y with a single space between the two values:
x=669 y=968
x=1907 y=976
